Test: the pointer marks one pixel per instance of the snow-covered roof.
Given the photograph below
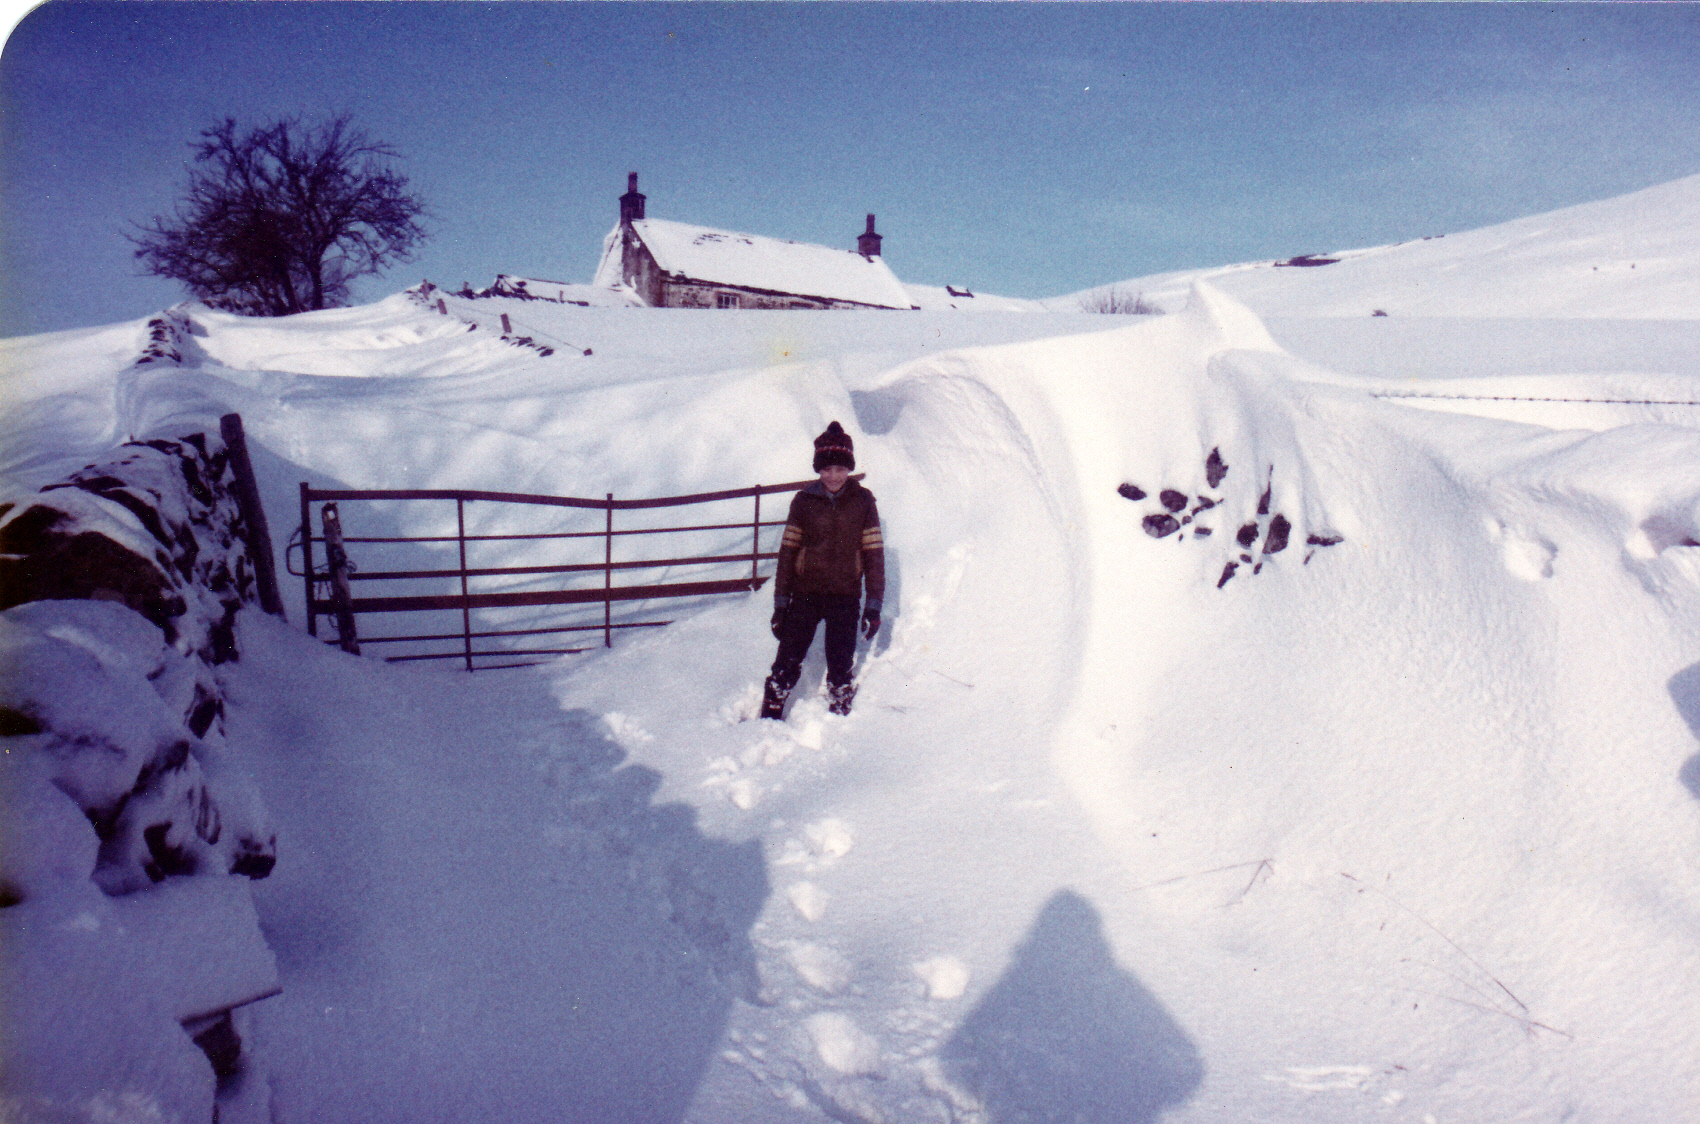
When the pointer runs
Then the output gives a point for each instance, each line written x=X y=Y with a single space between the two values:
x=753 y=262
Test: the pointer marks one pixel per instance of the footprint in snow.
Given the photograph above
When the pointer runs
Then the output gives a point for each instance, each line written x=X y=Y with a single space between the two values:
x=823 y=843
x=769 y=751
x=625 y=731
x=946 y=977
x=807 y=729
x=808 y=900
x=743 y=792
x=1527 y=555
x=822 y=968
x=830 y=838
x=744 y=708
x=844 y=1046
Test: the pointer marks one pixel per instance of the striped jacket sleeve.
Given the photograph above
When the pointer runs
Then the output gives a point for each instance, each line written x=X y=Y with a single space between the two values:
x=873 y=556
x=788 y=546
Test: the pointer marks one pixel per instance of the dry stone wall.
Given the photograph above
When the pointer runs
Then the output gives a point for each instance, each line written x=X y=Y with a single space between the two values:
x=129 y=831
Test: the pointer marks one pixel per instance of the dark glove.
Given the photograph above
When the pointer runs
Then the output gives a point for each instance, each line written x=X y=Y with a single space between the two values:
x=870 y=621
x=780 y=605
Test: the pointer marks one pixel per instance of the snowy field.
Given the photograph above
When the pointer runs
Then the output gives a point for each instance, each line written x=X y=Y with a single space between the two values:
x=1364 y=785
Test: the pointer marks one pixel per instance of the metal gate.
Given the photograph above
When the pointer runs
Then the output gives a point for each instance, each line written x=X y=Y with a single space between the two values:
x=450 y=565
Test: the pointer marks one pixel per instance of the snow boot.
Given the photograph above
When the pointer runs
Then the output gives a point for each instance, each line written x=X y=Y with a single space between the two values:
x=773 y=698
x=842 y=695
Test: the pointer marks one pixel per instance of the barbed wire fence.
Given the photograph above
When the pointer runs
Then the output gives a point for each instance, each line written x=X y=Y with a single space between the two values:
x=1530 y=398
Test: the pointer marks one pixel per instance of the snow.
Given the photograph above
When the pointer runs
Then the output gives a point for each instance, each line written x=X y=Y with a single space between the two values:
x=754 y=261
x=941 y=298
x=843 y=1046
x=1395 y=818
x=562 y=292
x=1636 y=257
x=95 y=987
x=946 y=977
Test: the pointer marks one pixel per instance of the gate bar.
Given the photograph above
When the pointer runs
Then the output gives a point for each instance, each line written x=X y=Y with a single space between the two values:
x=608 y=579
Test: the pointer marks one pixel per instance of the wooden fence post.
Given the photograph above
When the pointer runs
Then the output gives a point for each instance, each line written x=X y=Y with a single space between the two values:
x=755 y=538
x=342 y=600
x=307 y=557
x=256 y=536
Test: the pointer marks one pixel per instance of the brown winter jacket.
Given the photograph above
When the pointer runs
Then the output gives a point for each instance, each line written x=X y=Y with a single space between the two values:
x=832 y=544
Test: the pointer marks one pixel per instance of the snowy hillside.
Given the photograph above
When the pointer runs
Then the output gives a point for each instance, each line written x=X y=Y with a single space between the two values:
x=1254 y=733
x=1636 y=257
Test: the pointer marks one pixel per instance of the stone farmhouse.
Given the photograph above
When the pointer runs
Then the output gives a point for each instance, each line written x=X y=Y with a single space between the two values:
x=669 y=264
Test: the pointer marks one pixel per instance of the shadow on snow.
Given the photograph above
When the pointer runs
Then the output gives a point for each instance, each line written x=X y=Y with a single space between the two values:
x=1066 y=1035
x=480 y=914
x=1684 y=689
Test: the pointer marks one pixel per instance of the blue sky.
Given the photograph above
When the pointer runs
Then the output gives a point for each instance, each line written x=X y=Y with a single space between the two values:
x=1024 y=149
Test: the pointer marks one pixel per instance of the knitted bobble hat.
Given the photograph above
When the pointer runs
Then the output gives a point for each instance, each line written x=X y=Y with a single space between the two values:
x=834 y=447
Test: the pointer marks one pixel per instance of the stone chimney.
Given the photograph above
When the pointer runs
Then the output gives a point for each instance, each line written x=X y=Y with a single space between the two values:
x=867 y=243
x=631 y=204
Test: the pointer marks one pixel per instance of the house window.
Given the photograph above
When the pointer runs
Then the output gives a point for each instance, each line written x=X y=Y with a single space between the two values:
x=725 y=300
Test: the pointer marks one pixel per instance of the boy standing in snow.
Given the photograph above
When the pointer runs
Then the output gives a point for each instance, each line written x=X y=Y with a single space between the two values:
x=832 y=545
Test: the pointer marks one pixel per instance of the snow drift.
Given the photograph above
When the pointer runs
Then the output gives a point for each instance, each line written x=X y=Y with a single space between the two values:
x=1635 y=257
x=1249 y=738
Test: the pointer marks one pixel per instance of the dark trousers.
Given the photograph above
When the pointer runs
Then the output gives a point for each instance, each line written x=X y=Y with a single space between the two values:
x=807 y=610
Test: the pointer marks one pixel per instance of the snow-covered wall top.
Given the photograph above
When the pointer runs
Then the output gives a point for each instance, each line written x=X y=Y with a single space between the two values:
x=558 y=292
x=753 y=262
x=943 y=298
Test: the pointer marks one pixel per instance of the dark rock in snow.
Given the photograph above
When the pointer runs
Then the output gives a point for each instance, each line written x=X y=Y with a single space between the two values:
x=1276 y=540
x=17 y=724
x=1130 y=492
x=1324 y=540
x=1172 y=499
x=1161 y=526
x=1247 y=535
x=180 y=494
x=1202 y=532
x=1215 y=468
x=48 y=559
x=221 y=1044
x=207 y=707
x=1263 y=500
x=252 y=860
x=165 y=856
x=1227 y=572
x=1205 y=503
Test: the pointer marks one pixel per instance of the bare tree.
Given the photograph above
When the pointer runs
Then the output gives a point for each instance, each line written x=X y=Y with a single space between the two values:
x=1118 y=301
x=279 y=219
